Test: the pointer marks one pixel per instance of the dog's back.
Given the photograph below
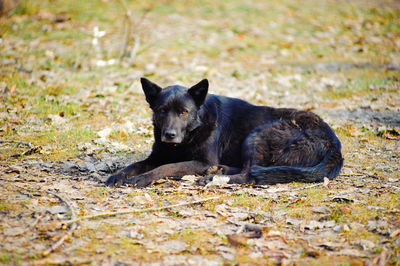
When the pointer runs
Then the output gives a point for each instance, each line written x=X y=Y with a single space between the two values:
x=234 y=119
x=292 y=144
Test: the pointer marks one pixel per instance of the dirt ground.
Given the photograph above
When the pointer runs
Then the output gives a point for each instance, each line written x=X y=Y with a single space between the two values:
x=72 y=112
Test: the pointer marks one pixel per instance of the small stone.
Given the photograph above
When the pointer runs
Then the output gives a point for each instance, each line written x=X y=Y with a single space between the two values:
x=58 y=209
x=338 y=228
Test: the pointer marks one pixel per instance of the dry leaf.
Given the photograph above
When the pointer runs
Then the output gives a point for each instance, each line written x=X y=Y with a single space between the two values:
x=326 y=182
x=237 y=239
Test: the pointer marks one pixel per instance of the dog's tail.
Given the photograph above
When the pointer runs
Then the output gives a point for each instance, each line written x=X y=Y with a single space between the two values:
x=329 y=167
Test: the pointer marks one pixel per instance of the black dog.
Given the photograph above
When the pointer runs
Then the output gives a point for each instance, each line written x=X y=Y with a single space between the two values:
x=195 y=131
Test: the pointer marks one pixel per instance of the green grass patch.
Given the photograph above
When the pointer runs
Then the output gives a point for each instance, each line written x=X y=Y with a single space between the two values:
x=5 y=257
x=4 y=205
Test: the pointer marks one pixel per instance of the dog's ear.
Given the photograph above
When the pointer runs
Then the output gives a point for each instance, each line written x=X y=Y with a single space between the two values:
x=199 y=92
x=151 y=90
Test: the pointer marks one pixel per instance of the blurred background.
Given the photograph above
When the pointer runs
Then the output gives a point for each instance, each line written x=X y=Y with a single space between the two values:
x=77 y=63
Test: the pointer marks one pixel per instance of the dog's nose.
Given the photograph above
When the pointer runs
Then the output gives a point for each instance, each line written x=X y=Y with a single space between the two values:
x=170 y=134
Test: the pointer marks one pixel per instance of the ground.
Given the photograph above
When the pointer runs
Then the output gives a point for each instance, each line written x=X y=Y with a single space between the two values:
x=72 y=112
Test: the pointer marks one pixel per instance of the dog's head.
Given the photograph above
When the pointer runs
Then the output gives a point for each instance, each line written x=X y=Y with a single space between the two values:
x=175 y=108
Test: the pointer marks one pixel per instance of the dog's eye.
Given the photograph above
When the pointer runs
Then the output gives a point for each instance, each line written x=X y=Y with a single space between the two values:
x=184 y=112
x=162 y=110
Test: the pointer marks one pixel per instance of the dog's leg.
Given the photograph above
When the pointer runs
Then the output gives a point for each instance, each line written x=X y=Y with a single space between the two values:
x=131 y=170
x=233 y=173
x=168 y=170
x=252 y=151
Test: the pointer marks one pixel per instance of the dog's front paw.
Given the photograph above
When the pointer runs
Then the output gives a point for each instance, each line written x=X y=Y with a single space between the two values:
x=202 y=181
x=213 y=170
x=116 y=180
x=138 y=181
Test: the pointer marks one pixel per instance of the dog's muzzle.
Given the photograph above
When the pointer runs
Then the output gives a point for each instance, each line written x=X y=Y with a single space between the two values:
x=171 y=136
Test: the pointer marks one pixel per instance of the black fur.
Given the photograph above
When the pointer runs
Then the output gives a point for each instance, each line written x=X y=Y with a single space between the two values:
x=195 y=131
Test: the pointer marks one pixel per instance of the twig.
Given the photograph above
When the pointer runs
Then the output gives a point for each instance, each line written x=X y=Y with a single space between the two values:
x=106 y=214
x=135 y=48
x=74 y=225
x=290 y=203
x=128 y=25
x=394 y=211
x=33 y=225
x=354 y=174
x=27 y=152
x=32 y=149
x=127 y=28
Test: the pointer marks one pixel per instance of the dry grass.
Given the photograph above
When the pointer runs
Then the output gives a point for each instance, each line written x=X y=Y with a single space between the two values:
x=337 y=58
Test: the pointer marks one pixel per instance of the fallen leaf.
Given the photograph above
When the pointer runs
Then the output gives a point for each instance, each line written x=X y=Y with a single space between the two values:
x=12 y=89
x=345 y=209
x=218 y=181
x=321 y=210
x=312 y=252
x=326 y=182
x=58 y=209
x=395 y=233
x=189 y=179
x=237 y=239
